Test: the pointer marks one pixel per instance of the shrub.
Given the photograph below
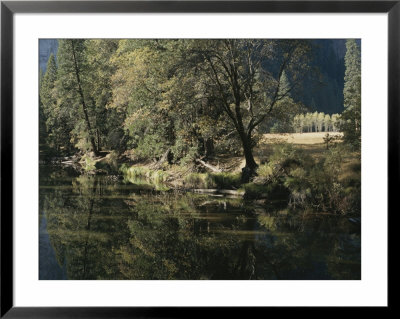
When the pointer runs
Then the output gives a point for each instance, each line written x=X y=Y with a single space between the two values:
x=268 y=221
x=149 y=147
x=226 y=180
x=258 y=191
x=308 y=183
x=88 y=163
x=213 y=180
x=140 y=172
x=185 y=158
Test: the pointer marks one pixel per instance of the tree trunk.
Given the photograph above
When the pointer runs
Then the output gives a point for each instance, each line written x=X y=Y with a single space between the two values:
x=84 y=108
x=209 y=147
x=248 y=154
x=250 y=169
x=98 y=139
x=162 y=160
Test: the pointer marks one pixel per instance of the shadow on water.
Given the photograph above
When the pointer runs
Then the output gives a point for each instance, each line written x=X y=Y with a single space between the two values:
x=101 y=228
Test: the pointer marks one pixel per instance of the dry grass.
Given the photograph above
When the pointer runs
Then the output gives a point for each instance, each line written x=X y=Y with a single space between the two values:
x=312 y=143
x=297 y=138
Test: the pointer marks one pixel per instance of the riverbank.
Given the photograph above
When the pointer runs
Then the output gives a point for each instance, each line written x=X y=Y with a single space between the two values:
x=306 y=175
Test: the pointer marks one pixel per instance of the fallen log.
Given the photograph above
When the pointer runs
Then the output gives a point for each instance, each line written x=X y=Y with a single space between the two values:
x=209 y=166
x=231 y=192
x=162 y=160
x=218 y=191
x=68 y=163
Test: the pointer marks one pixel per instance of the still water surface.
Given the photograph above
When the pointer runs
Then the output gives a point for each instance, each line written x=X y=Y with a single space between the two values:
x=100 y=227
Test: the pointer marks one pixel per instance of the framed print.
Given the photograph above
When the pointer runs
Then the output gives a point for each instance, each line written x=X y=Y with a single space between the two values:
x=158 y=156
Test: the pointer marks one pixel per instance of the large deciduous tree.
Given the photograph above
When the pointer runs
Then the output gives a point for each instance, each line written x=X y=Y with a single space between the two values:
x=188 y=93
x=247 y=80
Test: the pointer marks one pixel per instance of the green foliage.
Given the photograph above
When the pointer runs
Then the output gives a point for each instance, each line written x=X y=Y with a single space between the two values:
x=149 y=147
x=268 y=221
x=229 y=144
x=183 y=154
x=155 y=91
x=265 y=171
x=88 y=163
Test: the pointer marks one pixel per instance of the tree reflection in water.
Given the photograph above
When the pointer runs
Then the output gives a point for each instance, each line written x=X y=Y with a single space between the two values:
x=100 y=228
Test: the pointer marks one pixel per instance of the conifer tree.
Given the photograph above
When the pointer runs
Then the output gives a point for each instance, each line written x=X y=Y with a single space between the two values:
x=42 y=119
x=351 y=116
x=47 y=83
x=55 y=118
x=335 y=120
x=74 y=87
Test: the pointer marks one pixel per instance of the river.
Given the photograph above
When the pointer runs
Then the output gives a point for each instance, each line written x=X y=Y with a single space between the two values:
x=105 y=228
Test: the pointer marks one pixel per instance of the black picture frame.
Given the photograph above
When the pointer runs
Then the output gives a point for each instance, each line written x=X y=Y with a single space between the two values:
x=9 y=8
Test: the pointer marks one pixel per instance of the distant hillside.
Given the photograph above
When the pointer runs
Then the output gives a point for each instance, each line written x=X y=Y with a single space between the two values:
x=46 y=47
x=322 y=90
